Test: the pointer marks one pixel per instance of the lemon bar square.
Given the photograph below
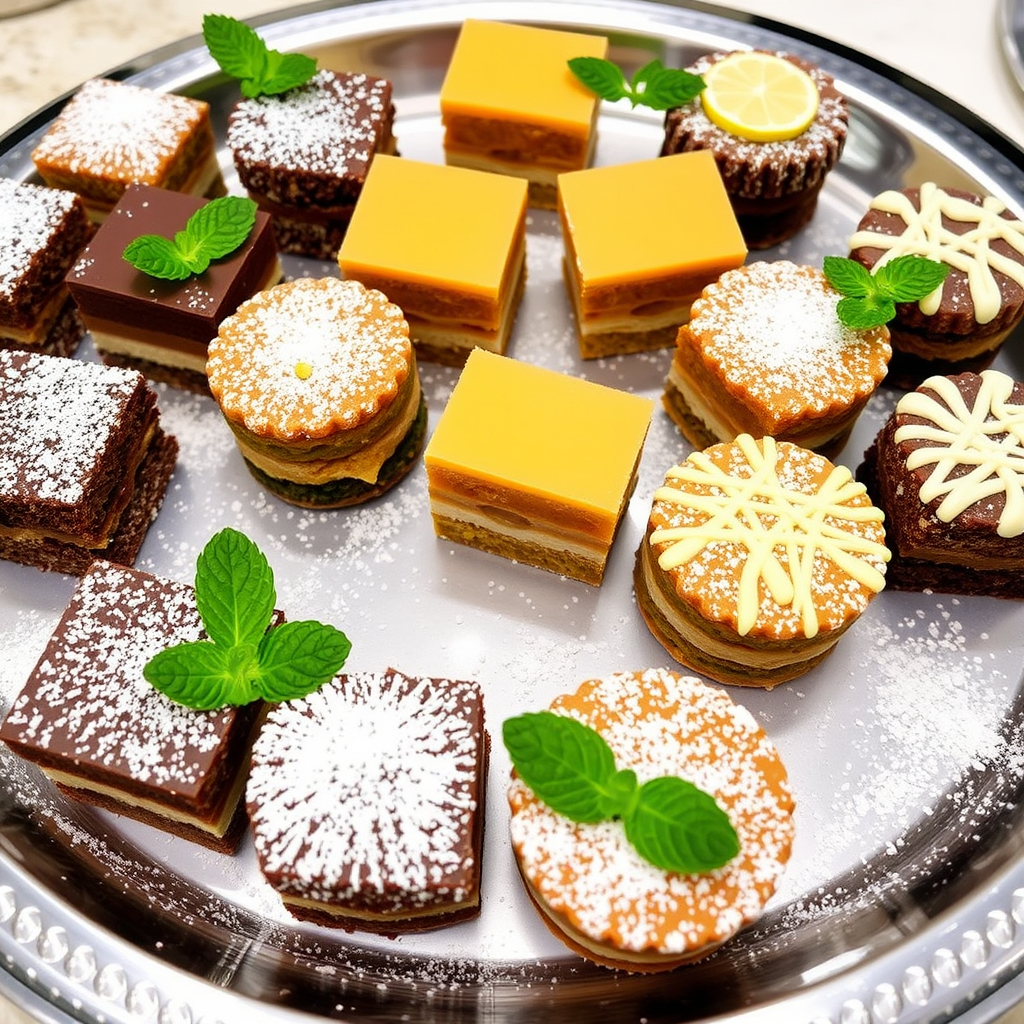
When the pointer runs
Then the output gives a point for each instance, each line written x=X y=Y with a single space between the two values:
x=635 y=263
x=447 y=245
x=510 y=104
x=535 y=465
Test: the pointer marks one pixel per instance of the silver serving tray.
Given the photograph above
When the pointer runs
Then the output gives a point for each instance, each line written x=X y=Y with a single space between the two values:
x=904 y=899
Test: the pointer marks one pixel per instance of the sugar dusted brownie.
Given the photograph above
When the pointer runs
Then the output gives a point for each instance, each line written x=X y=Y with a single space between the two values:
x=158 y=326
x=42 y=231
x=83 y=461
x=446 y=244
x=366 y=801
x=535 y=465
x=510 y=104
x=111 y=134
x=303 y=155
x=104 y=735
x=634 y=265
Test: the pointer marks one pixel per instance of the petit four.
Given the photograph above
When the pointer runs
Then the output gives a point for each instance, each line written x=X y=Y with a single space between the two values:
x=534 y=465
x=948 y=470
x=366 y=801
x=634 y=266
x=509 y=103
x=163 y=327
x=764 y=352
x=591 y=886
x=83 y=461
x=317 y=379
x=42 y=231
x=104 y=735
x=758 y=556
x=446 y=244
x=303 y=155
x=774 y=183
x=111 y=134
x=961 y=325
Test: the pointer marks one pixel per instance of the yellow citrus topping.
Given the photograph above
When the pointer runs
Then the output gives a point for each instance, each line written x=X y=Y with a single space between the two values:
x=759 y=96
x=303 y=371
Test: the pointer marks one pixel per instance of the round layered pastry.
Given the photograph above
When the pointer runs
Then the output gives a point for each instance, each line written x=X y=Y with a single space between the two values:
x=594 y=891
x=757 y=557
x=948 y=470
x=962 y=324
x=773 y=185
x=317 y=379
x=765 y=353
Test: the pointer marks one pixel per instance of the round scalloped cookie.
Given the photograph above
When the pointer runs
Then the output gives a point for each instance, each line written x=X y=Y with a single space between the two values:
x=594 y=891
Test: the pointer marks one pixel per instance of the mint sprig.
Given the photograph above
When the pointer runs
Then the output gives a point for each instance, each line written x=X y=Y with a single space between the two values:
x=213 y=231
x=242 y=54
x=653 y=85
x=243 y=660
x=669 y=821
x=869 y=299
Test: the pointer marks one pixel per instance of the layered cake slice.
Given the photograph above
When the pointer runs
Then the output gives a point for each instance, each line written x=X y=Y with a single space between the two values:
x=366 y=801
x=446 y=244
x=104 y=735
x=163 y=327
x=534 y=465
x=42 y=231
x=509 y=103
x=634 y=265
x=112 y=134
x=83 y=461
x=303 y=155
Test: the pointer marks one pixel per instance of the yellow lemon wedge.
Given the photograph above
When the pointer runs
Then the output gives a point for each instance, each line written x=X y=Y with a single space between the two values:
x=759 y=96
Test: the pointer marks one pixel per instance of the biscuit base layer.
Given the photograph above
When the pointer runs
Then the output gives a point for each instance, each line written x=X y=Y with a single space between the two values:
x=62 y=338
x=151 y=480
x=788 y=659
x=767 y=222
x=388 y=927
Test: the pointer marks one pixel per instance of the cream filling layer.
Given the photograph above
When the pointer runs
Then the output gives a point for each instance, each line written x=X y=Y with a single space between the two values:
x=402 y=914
x=36 y=334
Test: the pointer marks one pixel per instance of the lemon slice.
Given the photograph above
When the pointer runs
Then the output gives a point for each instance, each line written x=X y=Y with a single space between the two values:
x=759 y=96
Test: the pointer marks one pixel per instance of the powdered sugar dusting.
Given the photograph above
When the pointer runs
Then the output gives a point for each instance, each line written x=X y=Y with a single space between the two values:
x=30 y=217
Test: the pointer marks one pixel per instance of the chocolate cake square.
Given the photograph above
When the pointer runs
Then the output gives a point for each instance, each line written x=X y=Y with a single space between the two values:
x=162 y=327
x=42 y=231
x=366 y=801
x=84 y=463
x=303 y=155
x=111 y=134
x=104 y=735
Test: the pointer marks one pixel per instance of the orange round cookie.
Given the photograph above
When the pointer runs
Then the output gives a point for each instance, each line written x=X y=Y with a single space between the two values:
x=317 y=378
x=592 y=888
x=758 y=556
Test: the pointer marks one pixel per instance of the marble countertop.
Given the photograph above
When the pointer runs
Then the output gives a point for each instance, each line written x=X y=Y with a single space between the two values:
x=951 y=46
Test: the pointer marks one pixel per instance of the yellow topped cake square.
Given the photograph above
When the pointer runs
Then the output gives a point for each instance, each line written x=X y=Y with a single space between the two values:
x=447 y=245
x=510 y=104
x=535 y=465
x=633 y=266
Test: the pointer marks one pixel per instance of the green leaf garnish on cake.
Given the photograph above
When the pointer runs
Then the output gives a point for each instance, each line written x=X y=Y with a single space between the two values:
x=214 y=230
x=869 y=299
x=653 y=85
x=244 y=660
x=569 y=766
x=242 y=54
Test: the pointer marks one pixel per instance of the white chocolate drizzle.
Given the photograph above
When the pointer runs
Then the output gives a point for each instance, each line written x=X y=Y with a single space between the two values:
x=987 y=438
x=970 y=252
x=759 y=513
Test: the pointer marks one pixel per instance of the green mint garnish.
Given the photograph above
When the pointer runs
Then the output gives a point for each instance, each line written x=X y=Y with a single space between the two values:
x=213 y=231
x=653 y=86
x=242 y=661
x=670 y=822
x=869 y=299
x=241 y=53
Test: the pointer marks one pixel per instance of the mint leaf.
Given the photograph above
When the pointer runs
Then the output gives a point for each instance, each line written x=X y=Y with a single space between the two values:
x=869 y=299
x=299 y=657
x=201 y=675
x=234 y=589
x=566 y=764
x=157 y=257
x=677 y=827
x=242 y=54
x=864 y=314
x=847 y=276
x=908 y=278
x=653 y=85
